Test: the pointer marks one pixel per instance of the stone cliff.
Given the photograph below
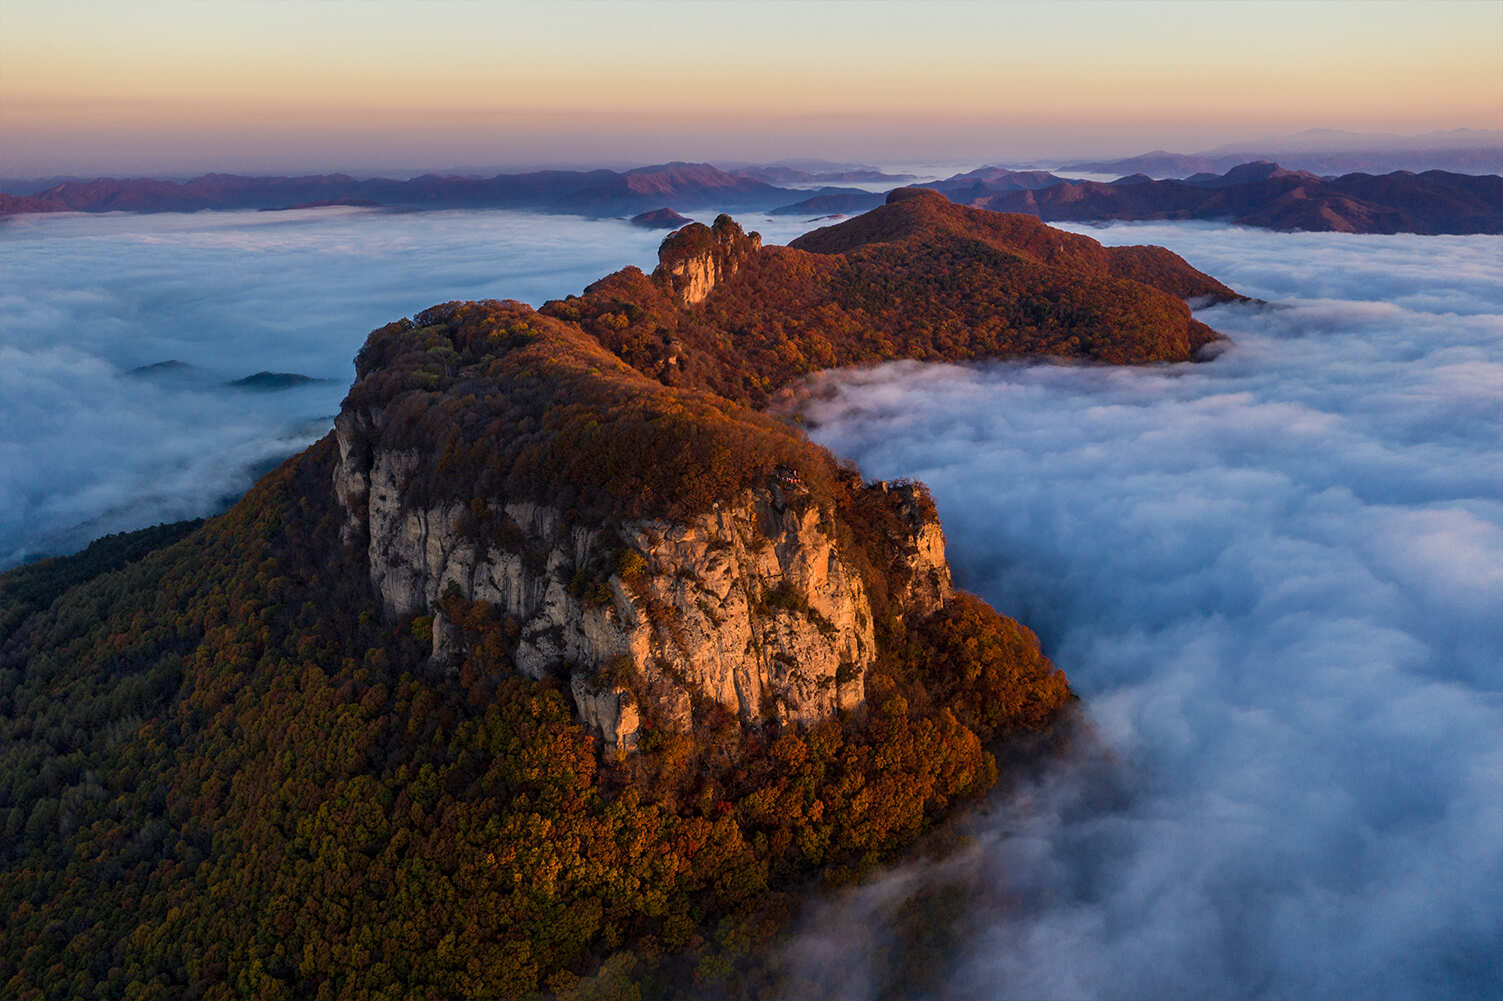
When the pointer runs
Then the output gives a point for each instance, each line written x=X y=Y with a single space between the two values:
x=755 y=606
x=592 y=474
x=695 y=259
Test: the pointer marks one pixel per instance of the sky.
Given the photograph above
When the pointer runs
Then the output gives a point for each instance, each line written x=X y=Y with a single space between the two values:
x=1274 y=579
x=181 y=86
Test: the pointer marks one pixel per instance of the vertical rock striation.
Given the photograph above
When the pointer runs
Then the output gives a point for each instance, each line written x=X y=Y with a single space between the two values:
x=755 y=606
x=695 y=259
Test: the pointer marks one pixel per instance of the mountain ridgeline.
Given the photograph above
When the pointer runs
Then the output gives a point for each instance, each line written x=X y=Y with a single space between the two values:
x=918 y=277
x=559 y=667
x=1254 y=193
x=1263 y=195
x=583 y=192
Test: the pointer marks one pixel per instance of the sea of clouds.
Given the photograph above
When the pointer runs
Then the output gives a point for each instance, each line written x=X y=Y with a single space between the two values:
x=87 y=448
x=1276 y=581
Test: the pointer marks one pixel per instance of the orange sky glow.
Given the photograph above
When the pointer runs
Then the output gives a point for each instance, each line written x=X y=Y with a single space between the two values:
x=178 y=85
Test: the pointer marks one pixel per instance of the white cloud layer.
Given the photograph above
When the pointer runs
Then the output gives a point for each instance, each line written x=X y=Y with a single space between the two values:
x=1277 y=582
x=85 y=298
x=1276 y=579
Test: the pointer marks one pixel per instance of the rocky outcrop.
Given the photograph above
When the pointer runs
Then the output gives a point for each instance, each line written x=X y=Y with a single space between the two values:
x=919 y=552
x=695 y=259
x=598 y=473
x=753 y=606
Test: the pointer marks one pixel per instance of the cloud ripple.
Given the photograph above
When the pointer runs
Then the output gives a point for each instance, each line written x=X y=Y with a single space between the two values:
x=1277 y=582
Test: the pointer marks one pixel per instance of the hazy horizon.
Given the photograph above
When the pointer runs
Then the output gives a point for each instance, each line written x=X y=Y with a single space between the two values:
x=180 y=88
x=928 y=167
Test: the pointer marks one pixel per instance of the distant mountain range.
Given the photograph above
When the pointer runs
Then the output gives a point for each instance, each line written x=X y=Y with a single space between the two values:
x=1343 y=140
x=587 y=192
x=1260 y=193
x=1324 y=151
x=782 y=173
x=1263 y=195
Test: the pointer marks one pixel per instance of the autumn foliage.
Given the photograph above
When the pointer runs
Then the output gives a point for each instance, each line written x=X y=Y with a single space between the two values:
x=224 y=772
x=226 y=776
x=918 y=278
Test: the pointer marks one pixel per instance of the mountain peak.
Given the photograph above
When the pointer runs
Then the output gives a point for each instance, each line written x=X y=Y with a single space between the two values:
x=897 y=195
x=1253 y=170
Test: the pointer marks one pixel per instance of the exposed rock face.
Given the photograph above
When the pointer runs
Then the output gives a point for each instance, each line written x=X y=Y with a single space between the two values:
x=921 y=552
x=611 y=712
x=753 y=605
x=654 y=541
x=695 y=259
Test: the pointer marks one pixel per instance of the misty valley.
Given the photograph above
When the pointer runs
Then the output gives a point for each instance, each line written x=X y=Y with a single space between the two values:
x=1272 y=576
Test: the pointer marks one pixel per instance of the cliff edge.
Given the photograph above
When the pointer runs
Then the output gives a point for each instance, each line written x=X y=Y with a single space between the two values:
x=654 y=547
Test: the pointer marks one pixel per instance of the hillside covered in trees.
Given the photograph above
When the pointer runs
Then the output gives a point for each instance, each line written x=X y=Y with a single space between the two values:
x=236 y=761
x=918 y=277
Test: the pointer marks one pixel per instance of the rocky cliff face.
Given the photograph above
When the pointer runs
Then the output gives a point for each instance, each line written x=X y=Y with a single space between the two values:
x=918 y=550
x=599 y=474
x=754 y=606
x=695 y=259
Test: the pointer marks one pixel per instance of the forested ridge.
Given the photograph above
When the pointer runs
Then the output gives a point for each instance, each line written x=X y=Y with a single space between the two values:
x=917 y=278
x=225 y=772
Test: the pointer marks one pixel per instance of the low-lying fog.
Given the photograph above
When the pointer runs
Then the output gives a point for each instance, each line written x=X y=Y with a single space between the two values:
x=88 y=447
x=1276 y=580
